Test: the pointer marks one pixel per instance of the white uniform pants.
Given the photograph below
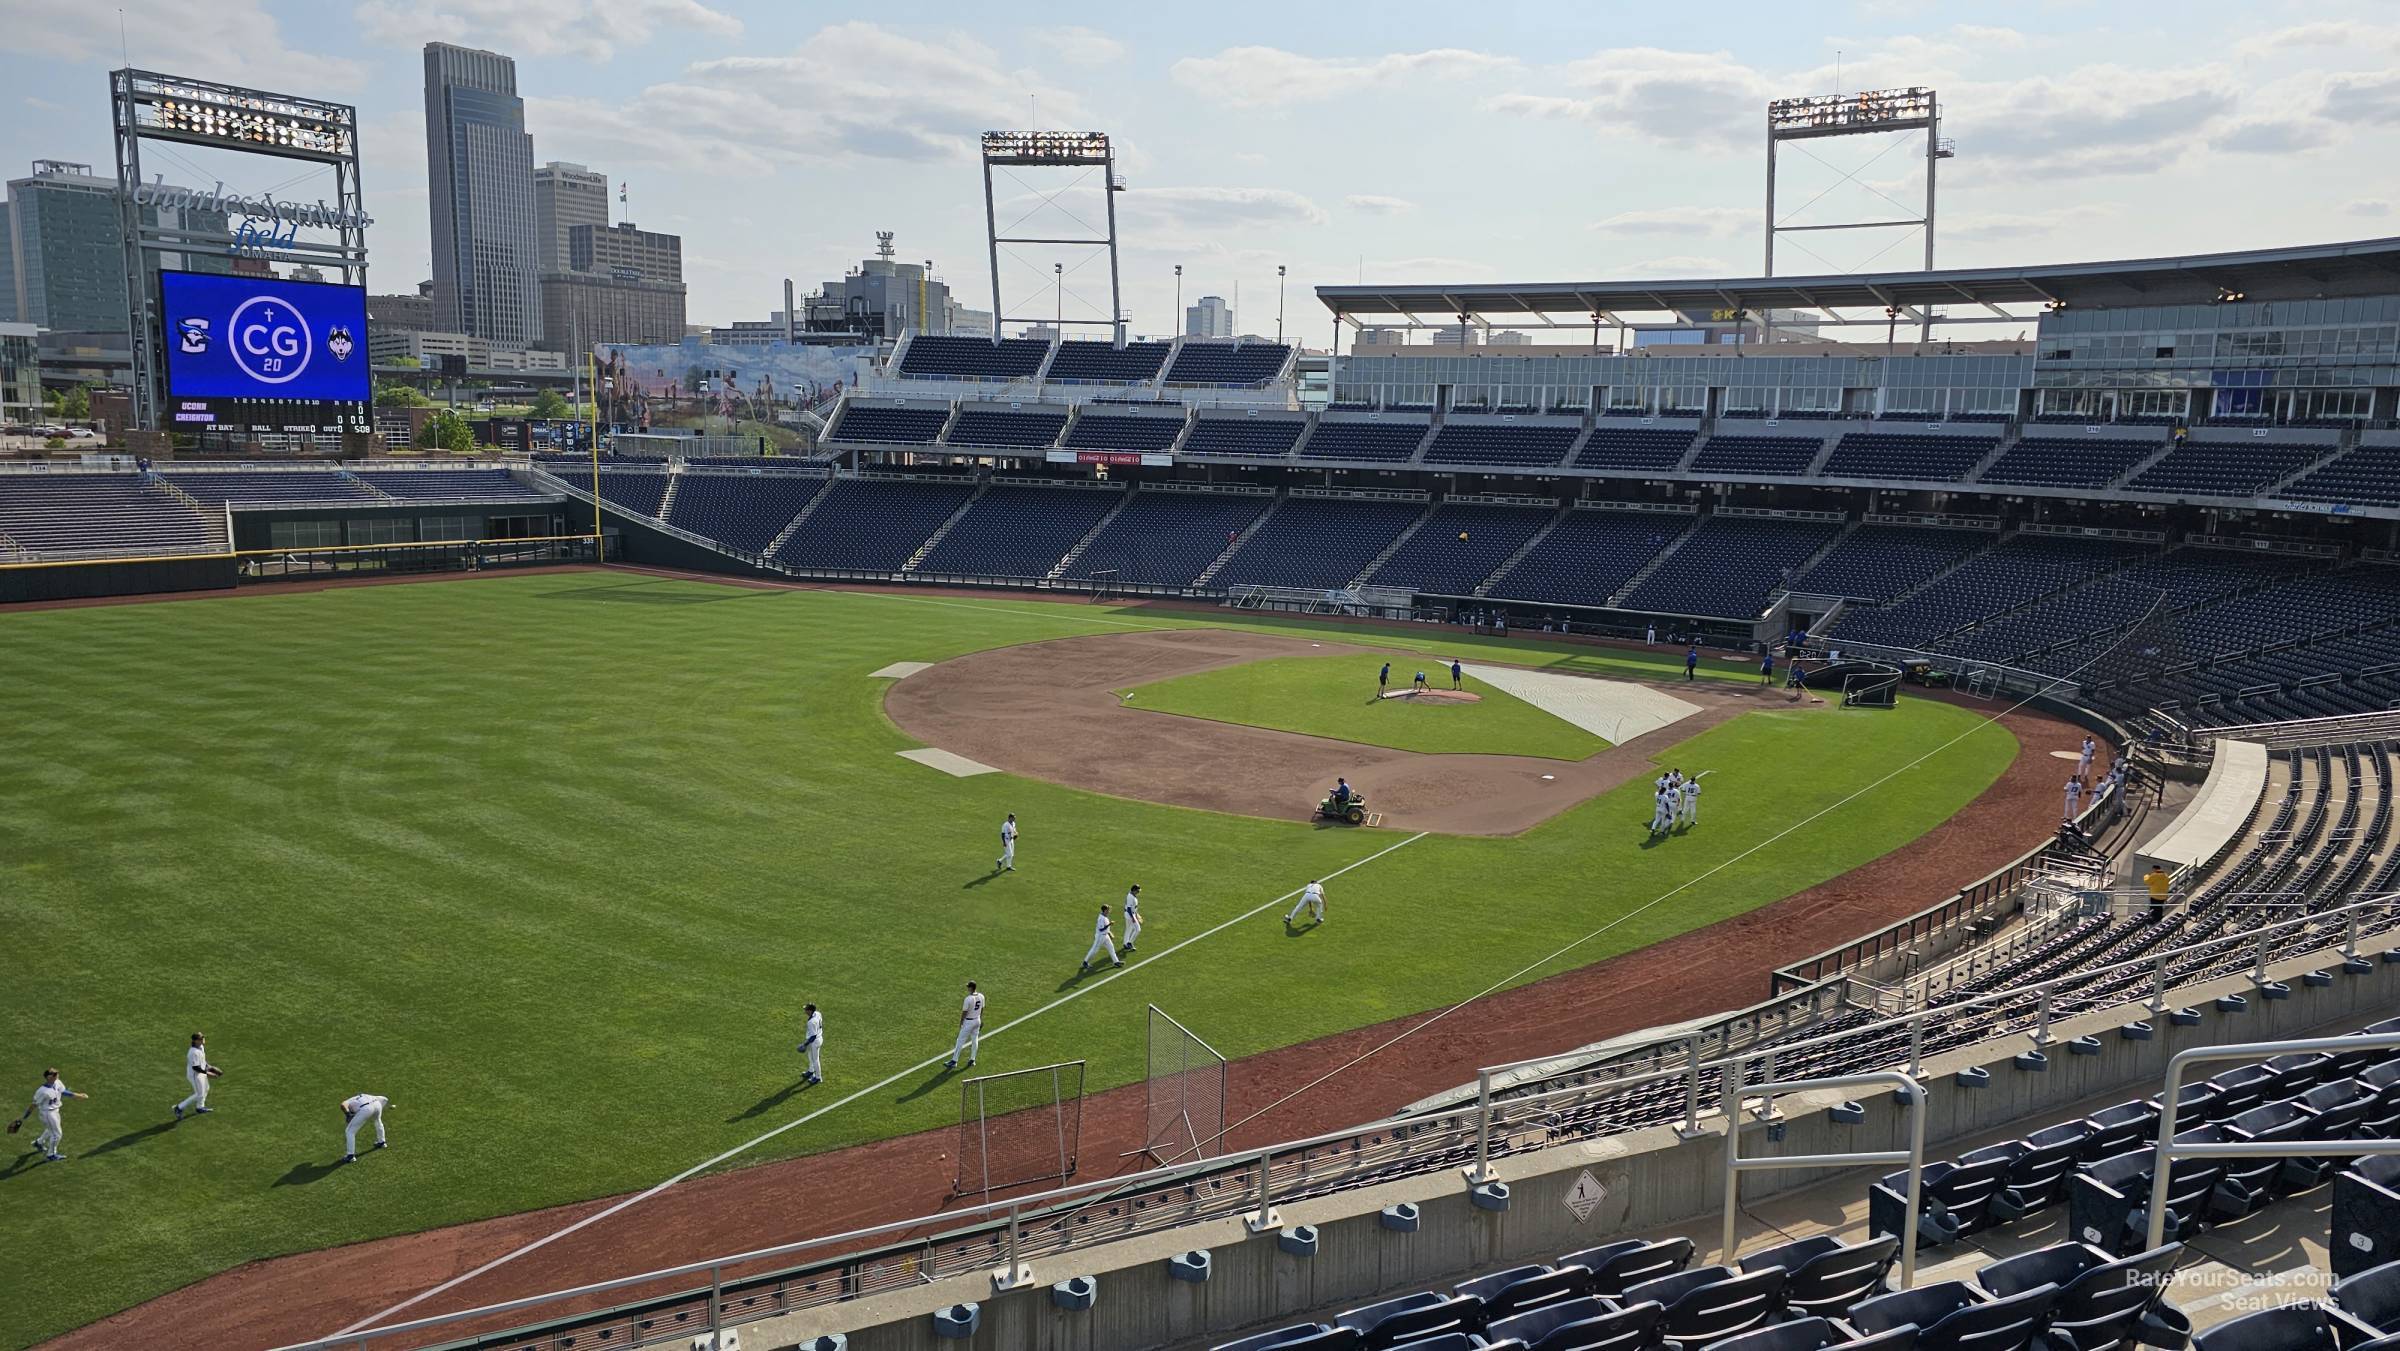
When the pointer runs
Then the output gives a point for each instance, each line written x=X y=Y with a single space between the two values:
x=1307 y=902
x=53 y=1134
x=1691 y=811
x=970 y=1039
x=199 y=1096
x=1133 y=929
x=1101 y=944
x=1008 y=856
x=1660 y=819
x=373 y=1111
x=813 y=1048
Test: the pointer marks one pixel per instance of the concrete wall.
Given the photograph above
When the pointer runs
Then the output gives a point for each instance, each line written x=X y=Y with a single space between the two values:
x=1650 y=1178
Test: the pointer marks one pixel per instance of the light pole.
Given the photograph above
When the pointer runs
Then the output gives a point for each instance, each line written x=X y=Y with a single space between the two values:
x=1177 y=316
x=1058 y=298
x=1279 y=269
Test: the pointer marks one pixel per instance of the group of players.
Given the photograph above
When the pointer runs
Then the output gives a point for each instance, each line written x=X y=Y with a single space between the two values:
x=2080 y=787
x=357 y=1110
x=1676 y=804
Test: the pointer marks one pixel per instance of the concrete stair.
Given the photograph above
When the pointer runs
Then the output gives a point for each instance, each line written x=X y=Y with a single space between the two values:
x=1215 y=565
x=1484 y=587
x=1067 y=560
x=792 y=526
x=1618 y=596
x=945 y=526
x=1394 y=547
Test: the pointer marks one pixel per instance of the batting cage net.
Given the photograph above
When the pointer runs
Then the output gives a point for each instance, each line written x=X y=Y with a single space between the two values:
x=1021 y=1126
x=1880 y=690
x=1186 y=1089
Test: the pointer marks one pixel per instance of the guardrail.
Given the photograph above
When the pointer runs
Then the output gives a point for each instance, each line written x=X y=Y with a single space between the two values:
x=1006 y=1235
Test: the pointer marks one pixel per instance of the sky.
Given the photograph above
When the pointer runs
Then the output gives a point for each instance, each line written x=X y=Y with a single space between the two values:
x=1397 y=142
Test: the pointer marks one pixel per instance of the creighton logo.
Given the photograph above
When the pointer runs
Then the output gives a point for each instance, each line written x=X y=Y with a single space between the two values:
x=338 y=342
x=194 y=335
x=269 y=340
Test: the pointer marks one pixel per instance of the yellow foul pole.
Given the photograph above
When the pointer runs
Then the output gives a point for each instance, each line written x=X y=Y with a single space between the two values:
x=599 y=547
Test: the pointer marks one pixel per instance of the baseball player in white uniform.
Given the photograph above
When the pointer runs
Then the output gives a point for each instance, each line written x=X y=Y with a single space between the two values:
x=357 y=1110
x=1007 y=862
x=1133 y=915
x=46 y=1100
x=1662 y=809
x=196 y=1072
x=812 y=1044
x=2083 y=763
x=1312 y=899
x=970 y=1026
x=2074 y=798
x=1691 y=802
x=1101 y=942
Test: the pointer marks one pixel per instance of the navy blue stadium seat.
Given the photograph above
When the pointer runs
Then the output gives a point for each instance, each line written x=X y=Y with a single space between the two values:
x=1318 y=542
x=745 y=511
x=1586 y=557
x=2368 y=475
x=48 y=515
x=2068 y=462
x=1255 y=436
x=888 y=426
x=1524 y=445
x=1634 y=449
x=1728 y=564
x=1906 y=455
x=1167 y=538
x=269 y=486
x=2224 y=468
x=1743 y=456
x=1123 y=431
x=1027 y=428
x=1018 y=532
x=1878 y=562
x=1106 y=363
x=452 y=485
x=1224 y=363
x=635 y=490
x=929 y=355
x=872 y=525
x=1387 y=440
x=1458 y=546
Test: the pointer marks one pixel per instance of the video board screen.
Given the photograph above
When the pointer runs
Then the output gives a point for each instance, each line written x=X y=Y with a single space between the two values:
x=260 y=350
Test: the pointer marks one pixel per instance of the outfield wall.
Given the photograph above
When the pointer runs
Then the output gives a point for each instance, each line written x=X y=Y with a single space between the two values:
x=1651 y=1179
x=116 y=577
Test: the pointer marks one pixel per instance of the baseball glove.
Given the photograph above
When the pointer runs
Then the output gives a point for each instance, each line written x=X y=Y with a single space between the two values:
x=215 y=1073
x=12 y=1126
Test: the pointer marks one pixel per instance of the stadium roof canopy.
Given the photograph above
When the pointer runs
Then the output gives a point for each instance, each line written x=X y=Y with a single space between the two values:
x=1961 y=295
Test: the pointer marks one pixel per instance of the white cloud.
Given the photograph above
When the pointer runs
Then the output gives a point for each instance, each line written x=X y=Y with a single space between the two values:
x=1678 y=265
x=1376 y=205
x=2362 y=97
x=1990 y=38
x=1716 y=221
x=1677 y=98
x=2093 y=120
x=593 y=30
x=2367 y=206
x=2342 y=33
x=234 y=40
x=1270 y=75
x=2273 y=136
x=1990 y=225
x=1079 y=46
x=1213 y=208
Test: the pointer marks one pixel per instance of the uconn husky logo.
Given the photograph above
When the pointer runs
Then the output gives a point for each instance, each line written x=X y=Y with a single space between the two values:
x=269 y=339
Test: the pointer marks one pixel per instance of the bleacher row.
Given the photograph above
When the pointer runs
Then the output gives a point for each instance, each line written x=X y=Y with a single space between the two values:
x=1188 y=363
x=56 y=515
x=2367 y=474
x=2102 y=1287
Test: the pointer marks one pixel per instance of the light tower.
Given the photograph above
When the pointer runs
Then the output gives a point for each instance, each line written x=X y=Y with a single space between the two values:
x=1077 y=150
x=1868 y=113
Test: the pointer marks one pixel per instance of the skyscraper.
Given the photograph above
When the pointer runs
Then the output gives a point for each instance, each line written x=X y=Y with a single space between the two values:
x=1211 y=318
x=487 y=254
x=565 y=196
x=62 y=248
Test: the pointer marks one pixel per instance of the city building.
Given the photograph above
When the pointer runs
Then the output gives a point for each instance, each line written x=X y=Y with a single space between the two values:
x=20 y=374
x=402 y=313
x=1468 y=335
x=883 y=298
x=479 y=166
x=564 y=196
x=583 y=308
x=385 y=347
x=1211 y=317
x=64 y=248
x=624 y=250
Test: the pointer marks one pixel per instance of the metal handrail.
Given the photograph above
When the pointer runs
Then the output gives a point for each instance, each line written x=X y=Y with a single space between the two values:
x=2170 y=1149
x=1913 y=1156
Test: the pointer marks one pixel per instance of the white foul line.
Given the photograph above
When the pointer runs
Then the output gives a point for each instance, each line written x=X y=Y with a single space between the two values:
x=637 y=1198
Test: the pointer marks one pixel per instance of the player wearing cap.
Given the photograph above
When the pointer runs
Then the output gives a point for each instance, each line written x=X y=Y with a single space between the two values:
x=196 y=1072
x=812 y=1043
x=357 y=1110
x=970 y=1028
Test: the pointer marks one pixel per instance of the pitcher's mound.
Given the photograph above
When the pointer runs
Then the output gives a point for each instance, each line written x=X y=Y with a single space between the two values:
x=1436 y=696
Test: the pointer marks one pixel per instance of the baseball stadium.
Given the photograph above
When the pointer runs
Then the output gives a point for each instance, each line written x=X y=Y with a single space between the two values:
x=1761 y=840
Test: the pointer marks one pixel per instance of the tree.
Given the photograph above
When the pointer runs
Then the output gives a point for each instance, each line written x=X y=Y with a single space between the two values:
x=78 y=403
x=410 y=362
x=548 y=405
x=446 y=430
x=399 y=396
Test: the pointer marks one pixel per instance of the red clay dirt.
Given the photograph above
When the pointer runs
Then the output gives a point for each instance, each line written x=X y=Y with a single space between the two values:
x=288 y=1299
x=1050 y=711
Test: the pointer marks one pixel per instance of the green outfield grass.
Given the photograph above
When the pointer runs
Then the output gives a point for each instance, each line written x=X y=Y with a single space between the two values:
x=1336 y=697
x=553 y=861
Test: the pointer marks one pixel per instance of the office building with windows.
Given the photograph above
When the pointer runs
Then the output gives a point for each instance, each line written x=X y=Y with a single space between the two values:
x=487 y=261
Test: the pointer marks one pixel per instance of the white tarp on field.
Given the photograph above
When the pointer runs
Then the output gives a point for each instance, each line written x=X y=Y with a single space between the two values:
x=1605 y=708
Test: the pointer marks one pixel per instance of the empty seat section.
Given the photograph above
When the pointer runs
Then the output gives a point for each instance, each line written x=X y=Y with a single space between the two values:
x=1727 y=565
x=100 y=513
x=1226 y=363
x=1790 y=455
x=1107 y=363
x=889 y=426
x=272 y=485
x=1533 y=445
x=1318 y=542
x=742 y=511
x=974 y=358
x=636 y=490
x=2175 y=580
x=1167 y=538
x=1377 y=440
x=2369 y=474
x=1878 y=562
x=872 y=525
x=1106 y=431
x=2224 y=468
x=2011 y=573
x=1587 y=557
x=1014 y=531
x=1908 y=455
x=1007 y=427
x=1243 y=436
x=1654 y=449
x=455 y=485
x=2067 y=462
x=1459 y=546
